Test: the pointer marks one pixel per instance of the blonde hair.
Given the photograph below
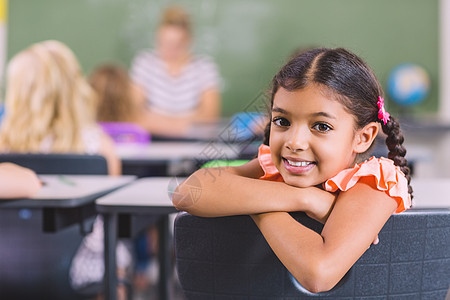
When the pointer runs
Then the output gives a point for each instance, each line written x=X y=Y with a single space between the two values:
x=178 y=17
x=114 y=90
x=47 y=97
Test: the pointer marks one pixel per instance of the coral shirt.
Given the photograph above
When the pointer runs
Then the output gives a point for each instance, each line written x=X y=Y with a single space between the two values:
x=386 y=177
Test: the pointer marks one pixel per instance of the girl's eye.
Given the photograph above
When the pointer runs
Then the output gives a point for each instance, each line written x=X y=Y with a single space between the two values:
x=282 y=122
x=322 y=127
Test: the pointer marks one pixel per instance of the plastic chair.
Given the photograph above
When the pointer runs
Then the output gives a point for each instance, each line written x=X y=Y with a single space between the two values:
x=228 y=258
x=122 y=132
x=35 y=264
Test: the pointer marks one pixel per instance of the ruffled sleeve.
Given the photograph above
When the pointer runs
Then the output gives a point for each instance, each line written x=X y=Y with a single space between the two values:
x=387 y=177
x=265 y=160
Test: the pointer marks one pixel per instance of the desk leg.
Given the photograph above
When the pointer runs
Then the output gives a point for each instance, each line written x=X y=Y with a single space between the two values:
x=110 y=229
x=164 y=257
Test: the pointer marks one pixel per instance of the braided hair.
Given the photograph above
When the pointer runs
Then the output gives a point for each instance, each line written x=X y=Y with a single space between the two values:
x=349 y=80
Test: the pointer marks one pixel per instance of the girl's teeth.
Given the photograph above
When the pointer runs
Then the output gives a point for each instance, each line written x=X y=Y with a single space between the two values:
x=299 y=163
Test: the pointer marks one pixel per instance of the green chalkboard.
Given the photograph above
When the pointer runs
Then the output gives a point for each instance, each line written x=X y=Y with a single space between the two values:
x=249 y=39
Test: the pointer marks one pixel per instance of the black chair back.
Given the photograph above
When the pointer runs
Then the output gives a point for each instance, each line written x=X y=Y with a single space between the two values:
x=64 y=164
x=228 y=258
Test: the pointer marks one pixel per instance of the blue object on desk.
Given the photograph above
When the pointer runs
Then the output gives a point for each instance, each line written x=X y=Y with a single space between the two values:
x=246 y=125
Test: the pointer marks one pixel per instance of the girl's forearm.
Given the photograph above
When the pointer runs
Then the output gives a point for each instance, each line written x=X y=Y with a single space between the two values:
x=17 y=182
x=318 y=262
x=299 y=248
x=215 y=192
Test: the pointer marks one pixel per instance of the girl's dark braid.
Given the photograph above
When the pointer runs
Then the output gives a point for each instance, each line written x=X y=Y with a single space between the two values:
x=394 y=143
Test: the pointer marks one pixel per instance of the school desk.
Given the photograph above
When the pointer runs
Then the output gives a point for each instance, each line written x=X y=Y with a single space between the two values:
x=41 y=234
x=202 y=132
x=226 y=130
x=67 y=199
x=431 y=193
x=145 y=196
x=178 y=158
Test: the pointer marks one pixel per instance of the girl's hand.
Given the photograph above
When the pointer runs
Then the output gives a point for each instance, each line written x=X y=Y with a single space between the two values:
x=17 y=181
x=320 y=204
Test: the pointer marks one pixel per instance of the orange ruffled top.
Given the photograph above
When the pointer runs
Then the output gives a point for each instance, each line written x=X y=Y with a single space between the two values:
x=386 y=176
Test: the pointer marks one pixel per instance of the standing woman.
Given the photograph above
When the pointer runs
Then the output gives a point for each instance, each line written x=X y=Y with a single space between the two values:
x=176 y=82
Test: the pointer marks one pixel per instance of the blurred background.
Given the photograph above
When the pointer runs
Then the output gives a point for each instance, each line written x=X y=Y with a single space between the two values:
x=404 y=41
x=249 y=40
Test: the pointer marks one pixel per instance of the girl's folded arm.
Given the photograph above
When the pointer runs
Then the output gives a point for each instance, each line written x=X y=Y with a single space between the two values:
x=319 y=261
x=225 y=191
x=17 y=181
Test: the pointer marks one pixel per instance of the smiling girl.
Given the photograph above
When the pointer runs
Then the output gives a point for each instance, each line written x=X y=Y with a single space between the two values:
x=326 y=110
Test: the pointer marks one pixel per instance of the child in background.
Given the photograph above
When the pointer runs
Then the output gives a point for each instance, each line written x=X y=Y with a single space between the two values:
x=120 y=100
x=326 y=110
x=17 y=182
x=50 y=108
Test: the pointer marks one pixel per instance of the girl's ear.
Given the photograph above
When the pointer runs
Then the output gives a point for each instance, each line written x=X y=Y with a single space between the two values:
x=365 y=136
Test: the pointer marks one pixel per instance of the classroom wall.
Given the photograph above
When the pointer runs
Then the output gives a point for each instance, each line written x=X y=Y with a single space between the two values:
x=249 y=39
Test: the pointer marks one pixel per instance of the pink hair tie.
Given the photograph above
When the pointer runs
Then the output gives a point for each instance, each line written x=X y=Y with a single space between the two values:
x=383 y=115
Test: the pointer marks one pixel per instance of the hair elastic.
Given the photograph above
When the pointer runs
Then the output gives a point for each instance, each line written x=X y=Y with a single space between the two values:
x=383 y=115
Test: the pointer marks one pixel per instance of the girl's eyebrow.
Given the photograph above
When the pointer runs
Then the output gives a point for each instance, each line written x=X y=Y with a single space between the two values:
x=279 y=109
x=323 y=114
x=317 y=114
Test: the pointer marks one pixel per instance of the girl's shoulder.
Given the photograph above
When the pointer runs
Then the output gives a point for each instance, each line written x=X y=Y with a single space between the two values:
x=385 y=177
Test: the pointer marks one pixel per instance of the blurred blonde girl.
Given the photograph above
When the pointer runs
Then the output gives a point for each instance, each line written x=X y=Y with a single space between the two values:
x=50 y=108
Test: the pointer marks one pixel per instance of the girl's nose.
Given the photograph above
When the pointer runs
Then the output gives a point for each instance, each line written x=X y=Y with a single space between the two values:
x=297 y=140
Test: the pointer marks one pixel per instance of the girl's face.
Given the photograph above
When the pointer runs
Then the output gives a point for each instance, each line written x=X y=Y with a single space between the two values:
x=312 y=136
